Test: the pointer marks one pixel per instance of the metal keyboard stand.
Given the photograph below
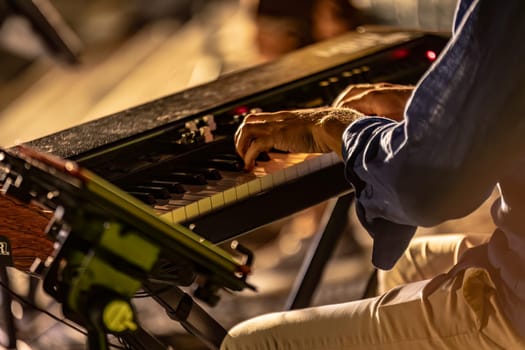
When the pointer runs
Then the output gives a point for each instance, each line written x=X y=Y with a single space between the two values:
x=180 y=307
x=334 y=223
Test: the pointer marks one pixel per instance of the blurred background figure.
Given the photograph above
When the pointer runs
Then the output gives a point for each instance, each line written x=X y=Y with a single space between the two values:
x=428 y=15
x=283 y=26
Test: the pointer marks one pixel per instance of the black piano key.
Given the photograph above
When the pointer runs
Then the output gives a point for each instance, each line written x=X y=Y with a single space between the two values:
x=188 y=178
x=145 y=197
x=159 y=192
x=226 y=164
x=172 y=186
x=180 y=202
x=209 y=173
x=231 y=156
x=262 y=157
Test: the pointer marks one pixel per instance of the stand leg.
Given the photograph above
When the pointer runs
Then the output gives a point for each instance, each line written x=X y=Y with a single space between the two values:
x=142 y=340
x=96 y=340
x=10 y=328
x=319 y=252
x=181 y=307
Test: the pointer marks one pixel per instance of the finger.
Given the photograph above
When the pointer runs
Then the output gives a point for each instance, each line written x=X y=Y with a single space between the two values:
x=261 y=117
x=353 y=91
x=388 y=101
x=252 y=118
x=349 y=92
x=258 y=125
x=357 y=89
x=242 y=140
x=256 y=147
x=358 y=102
x=252 y=126
x=248 y=132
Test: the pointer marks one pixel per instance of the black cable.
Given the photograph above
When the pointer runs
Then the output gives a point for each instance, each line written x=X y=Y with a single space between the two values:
x=124 y=344
x=56 y=318
x=49 y=314
x=147 y=294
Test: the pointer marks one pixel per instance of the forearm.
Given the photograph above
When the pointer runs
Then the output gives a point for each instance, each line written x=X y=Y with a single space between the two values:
x=331 y=126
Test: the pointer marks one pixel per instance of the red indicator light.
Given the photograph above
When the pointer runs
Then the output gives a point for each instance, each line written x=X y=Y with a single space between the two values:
x=241 y=110
x=431 y=55
x=400 y=53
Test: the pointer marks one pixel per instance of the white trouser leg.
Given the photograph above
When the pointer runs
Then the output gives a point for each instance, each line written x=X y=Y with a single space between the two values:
x=428 y=256
x=454 y=311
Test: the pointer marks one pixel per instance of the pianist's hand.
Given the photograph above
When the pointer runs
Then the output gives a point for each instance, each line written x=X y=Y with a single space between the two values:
x=316 y=130
x=380 y=99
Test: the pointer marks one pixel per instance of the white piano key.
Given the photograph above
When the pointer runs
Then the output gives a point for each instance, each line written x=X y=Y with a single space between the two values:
x=290 y=173
x=242 y=191
x=335 y=158
x=217 y=200
x=204 y=205
x=278 y=178
x=326 y=160
x=179 y=215
x=230 y=196
x=314 y=164
x=179 y=202
x=267 y=182
x=209 y=192
x=192 y=210
x=167 y=216
x=302 y=169
x=254 y=186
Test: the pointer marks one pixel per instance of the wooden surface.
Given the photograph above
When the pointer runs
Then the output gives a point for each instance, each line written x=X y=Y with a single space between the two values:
x=24 y=227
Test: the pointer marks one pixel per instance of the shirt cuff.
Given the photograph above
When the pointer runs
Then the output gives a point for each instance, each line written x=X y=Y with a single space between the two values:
x=390 y=238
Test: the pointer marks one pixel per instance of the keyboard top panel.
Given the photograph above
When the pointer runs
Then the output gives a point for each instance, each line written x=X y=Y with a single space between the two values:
x=72 y=143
